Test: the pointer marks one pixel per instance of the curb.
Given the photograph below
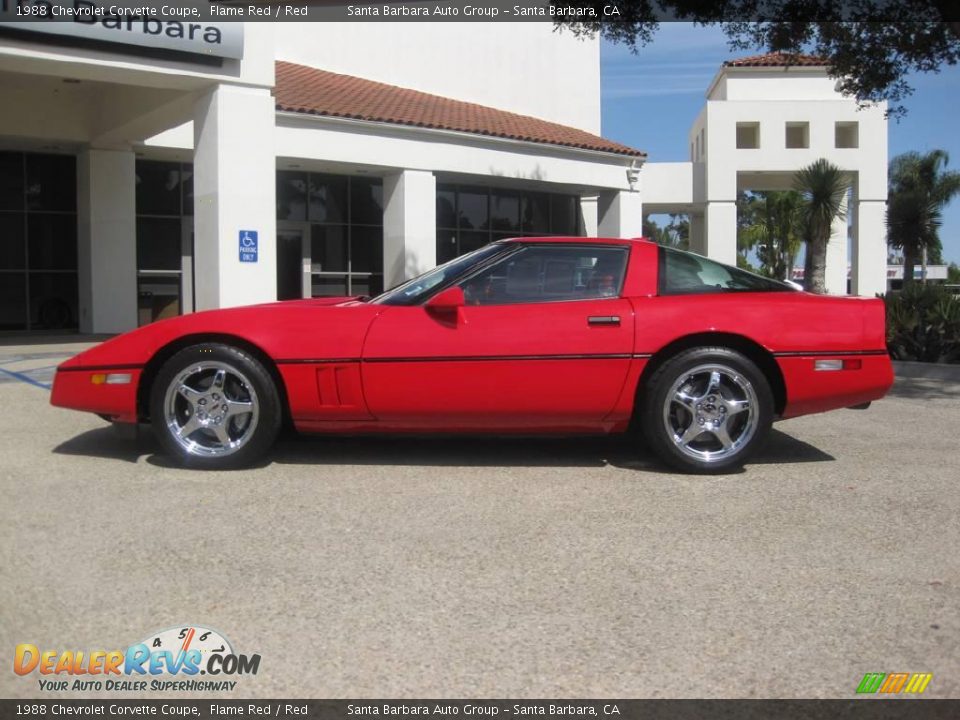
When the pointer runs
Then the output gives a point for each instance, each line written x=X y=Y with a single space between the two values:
x=935 y=371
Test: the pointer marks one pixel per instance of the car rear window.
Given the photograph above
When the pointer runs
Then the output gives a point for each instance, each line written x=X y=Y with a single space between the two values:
x=683 y=273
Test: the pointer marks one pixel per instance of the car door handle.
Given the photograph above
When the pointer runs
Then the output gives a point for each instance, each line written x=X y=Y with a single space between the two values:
x=603 y=320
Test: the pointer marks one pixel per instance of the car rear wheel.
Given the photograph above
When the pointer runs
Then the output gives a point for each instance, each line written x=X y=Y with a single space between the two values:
x=214 y=406
x=707 y=410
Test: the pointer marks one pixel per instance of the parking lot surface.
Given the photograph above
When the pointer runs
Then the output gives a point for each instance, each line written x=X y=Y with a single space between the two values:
x=487 y=567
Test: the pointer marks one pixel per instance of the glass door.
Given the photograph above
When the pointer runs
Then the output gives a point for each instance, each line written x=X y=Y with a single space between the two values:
x=293 y=261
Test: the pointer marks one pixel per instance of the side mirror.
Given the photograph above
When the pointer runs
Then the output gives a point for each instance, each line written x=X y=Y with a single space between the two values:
x=448 y=300
x=447 y=306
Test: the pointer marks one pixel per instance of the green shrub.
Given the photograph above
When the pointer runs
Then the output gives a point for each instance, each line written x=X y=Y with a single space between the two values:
x=923 y=323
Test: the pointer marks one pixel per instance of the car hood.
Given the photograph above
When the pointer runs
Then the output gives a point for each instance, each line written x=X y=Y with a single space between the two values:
x=318 y=328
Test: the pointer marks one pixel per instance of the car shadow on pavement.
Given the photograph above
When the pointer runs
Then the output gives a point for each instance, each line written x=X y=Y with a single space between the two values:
x=106 y=442
x=621 y=451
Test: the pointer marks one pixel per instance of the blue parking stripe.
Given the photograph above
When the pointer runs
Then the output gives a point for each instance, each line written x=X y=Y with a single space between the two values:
x=24 y=378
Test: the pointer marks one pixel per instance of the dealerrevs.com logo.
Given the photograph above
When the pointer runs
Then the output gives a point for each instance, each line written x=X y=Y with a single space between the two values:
x=170 y=660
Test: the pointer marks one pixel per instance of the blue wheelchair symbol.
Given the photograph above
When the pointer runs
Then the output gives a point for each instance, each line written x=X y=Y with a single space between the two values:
x=248 y=246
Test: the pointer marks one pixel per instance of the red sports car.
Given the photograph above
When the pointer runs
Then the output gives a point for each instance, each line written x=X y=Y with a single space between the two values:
x=531 y=335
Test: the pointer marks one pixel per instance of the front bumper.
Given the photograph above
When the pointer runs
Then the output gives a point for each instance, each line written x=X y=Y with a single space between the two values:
x=111 y=392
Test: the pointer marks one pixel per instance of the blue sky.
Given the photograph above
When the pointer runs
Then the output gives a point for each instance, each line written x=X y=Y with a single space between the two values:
x=651 y=99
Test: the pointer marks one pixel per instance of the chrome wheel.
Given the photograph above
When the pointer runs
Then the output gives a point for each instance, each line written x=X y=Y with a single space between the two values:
x=710 y=412
x=211 y=409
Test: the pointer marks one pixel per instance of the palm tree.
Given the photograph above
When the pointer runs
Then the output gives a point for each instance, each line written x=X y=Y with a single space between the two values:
x=824 y=187
x=770 y=222
x=920 y=187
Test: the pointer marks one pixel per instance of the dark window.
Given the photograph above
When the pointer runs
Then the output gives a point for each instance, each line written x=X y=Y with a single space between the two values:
x=291 y=196
x=186 y=182
x=13 y=249
x=474 y=212
x=329 y=250
x=53 y=242
x=471 y=240
x=549 y=273
x=328 y=199
x=159 y=188
x=366 y=250
x=11 y=181
x=158 y=243
x=51 y=183
x=471 y=217
x=446 y=209
x=683 y=273
x=504 y=212
x=366 y=201
x=53 y=301
x=13 y=301
x=369 y=285
x=536 y=213
x=564 y=215
x=346 y=228
x=446 y=246
x=329 y=285
x=164 y=199
x=38 y=241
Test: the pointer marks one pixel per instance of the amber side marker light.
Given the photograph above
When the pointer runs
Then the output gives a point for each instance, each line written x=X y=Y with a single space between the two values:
x=111 y=378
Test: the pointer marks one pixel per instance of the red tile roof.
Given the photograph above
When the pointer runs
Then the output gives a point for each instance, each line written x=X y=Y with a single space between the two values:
x=308 y=90
x=778 y=60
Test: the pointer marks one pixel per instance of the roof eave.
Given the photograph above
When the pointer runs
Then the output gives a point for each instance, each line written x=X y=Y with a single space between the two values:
x=737 y=69
x=638 y=159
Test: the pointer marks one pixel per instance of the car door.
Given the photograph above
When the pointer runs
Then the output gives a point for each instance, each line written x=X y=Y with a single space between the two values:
x=543 y=341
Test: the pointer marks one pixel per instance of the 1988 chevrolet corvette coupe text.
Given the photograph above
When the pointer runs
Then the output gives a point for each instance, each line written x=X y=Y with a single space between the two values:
x=532 y=335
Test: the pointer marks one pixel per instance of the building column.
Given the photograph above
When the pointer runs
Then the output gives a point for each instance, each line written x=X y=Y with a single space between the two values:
x=869 y=271
x=409 y=225
x=620 y=214
x=721 y=232
x=107 y=240
x=234 y=186
x=588 y=216
x=698 y=234
x=836 y=271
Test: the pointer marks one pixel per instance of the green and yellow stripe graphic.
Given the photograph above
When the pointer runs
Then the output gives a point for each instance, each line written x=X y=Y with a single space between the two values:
x=893 y=683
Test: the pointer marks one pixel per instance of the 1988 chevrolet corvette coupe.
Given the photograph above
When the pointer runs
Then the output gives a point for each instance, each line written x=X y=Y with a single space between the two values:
x=532 y=335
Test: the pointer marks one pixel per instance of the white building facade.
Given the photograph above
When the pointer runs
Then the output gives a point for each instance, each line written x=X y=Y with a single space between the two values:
x=265 y=162
x=766 y=117
x=287 y=160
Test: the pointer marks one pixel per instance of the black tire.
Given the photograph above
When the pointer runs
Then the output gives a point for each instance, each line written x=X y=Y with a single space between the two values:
x=679 y=414
x=245 y=406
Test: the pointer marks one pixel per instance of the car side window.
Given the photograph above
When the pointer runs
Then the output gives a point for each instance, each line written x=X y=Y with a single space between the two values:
x=549 y=273
x=683 y=273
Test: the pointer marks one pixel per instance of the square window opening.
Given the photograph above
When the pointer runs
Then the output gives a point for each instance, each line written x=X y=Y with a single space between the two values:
x=847 y=135
x=748 y=135
x=797 y=135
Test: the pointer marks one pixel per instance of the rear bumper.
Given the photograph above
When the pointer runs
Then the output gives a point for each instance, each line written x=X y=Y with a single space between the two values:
x=863 y=379
x=79 y=389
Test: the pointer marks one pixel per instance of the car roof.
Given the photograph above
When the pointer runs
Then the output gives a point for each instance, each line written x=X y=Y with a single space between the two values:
x=580 y=240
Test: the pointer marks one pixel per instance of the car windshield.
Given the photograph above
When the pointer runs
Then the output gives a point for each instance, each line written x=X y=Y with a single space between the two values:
x=417 y=289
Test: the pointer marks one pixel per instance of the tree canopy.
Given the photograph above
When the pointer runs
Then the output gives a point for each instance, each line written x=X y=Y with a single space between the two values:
x=871 y=46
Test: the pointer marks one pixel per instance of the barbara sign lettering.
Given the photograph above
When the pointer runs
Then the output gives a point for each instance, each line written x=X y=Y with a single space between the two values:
x=179 y=29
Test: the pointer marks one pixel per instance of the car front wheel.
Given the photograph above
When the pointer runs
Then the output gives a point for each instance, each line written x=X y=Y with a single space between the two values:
x=214 y=406
x=707 y=410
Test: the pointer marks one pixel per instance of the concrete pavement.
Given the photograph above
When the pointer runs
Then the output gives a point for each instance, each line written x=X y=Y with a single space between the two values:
x=491 y=568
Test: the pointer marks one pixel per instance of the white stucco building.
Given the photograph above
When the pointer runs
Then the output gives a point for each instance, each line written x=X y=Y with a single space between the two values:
x=765 y=117
x=286 y=160
x=147 y=177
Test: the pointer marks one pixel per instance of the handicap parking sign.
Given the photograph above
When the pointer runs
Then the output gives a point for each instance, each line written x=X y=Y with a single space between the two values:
x=248 y=246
